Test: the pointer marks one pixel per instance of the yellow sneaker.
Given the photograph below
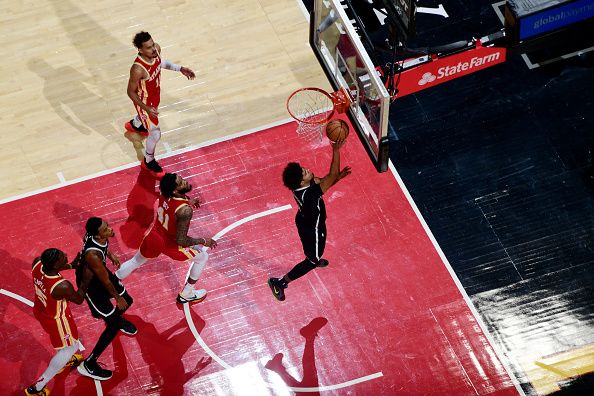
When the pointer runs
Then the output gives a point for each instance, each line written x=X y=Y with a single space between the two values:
x=31 y=391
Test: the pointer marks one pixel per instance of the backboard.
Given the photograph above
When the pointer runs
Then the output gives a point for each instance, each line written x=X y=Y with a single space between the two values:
x=338 y=47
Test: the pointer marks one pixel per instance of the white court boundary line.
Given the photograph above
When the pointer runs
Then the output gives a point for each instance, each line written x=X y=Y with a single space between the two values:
x=134 y=164
x=224 y=364
x=304 y=11
x=30 y=303
x=454 y=277
x=17 y=297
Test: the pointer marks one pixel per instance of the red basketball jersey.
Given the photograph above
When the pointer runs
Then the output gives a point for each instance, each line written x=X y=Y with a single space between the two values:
x=45 y=305
x=166 y=222
x=149 y=88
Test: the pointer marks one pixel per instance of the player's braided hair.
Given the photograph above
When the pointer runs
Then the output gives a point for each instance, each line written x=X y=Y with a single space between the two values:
x=292 y=175
x=140 y=38
x=92 y=226
x=168 y=184
x=49 y=258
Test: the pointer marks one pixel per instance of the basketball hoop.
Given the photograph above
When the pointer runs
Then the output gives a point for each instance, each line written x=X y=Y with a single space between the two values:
x=313 y=108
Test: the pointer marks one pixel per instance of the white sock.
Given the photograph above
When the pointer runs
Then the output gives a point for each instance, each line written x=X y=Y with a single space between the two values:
x=187 y=289
x=58 y=361
x=151 y=143
x=130 y=265
x=136 y=121
x=198 y=264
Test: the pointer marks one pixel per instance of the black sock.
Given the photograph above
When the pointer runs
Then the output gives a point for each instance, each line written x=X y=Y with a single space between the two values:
x=111 y=330
x=300 y=269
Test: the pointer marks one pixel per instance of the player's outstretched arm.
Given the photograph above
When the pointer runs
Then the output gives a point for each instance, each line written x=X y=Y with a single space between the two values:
x=189 y=73
x=334 y=174
x=65 y=290
x=184 y=215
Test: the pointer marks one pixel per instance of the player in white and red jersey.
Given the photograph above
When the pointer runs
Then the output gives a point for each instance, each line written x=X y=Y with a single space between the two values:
x=169 y=235
x=52 y=293
x=144 y=88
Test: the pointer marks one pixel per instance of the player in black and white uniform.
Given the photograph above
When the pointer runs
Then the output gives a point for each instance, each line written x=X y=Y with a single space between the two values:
x=103 y=287
x=311 y=216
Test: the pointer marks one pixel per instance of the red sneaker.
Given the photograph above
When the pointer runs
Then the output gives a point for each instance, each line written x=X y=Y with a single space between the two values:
x=131 y=128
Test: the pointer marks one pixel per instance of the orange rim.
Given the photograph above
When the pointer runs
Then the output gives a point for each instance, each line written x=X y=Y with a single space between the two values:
x=329 y=96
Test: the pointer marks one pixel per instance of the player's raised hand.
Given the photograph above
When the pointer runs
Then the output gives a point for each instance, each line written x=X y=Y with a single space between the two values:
x=209 y=242
x=344 y=172
x=189 y=73
x=152 y=111
x=338 y=144
x=195 y=202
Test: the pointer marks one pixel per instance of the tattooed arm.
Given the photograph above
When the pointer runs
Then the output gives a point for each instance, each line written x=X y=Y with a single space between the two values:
x=184 y=215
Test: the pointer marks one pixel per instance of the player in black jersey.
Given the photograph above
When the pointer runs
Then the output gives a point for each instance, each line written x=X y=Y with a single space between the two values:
x=102 y=288
x=311 y=216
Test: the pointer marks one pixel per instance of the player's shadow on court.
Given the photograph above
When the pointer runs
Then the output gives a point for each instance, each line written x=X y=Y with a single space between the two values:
x=310 y=372
x=66 y=90
x=163 y=352
x=18 y=342
x=140 y=208
x=71 y=101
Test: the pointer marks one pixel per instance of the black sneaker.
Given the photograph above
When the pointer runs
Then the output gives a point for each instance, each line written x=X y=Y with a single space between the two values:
x=128 y=327
x=278 y=290
x=323 y=263
x=153 y=166
x=94 y=371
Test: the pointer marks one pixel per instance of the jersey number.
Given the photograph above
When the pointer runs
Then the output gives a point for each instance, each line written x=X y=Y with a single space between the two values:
x=41 y=296
x=163 y=217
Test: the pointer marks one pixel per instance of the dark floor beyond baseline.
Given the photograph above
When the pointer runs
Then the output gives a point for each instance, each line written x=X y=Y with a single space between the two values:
x=498 y=163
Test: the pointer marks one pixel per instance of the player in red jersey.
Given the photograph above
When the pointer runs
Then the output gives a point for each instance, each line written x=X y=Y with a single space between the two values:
x=169 y=235
x=144 y=88
x=52 y=293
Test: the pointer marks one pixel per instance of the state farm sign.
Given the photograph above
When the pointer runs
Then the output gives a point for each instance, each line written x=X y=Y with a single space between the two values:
x=440 y=70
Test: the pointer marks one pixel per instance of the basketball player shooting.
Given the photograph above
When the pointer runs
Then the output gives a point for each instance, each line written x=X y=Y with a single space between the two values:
x=311 y=216
x=144 y=89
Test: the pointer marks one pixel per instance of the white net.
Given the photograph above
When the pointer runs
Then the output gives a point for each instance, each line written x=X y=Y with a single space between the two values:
x=312 y=108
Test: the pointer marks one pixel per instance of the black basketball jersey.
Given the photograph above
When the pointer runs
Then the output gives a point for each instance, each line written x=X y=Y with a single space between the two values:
x=312 y=210
x=90 y=244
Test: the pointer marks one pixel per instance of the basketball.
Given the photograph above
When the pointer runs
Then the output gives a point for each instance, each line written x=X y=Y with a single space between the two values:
x=337 y=129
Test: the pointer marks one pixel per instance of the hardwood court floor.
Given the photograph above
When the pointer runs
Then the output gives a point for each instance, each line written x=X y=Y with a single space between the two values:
x=383 y=318
x=63 y=97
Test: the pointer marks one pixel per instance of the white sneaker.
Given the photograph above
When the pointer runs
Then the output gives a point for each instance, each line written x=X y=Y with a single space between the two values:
x=193 y=296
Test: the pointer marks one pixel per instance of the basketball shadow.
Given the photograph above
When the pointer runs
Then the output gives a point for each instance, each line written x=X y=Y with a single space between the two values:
x=308 y=361
x=140 y=208
x=163 y=352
